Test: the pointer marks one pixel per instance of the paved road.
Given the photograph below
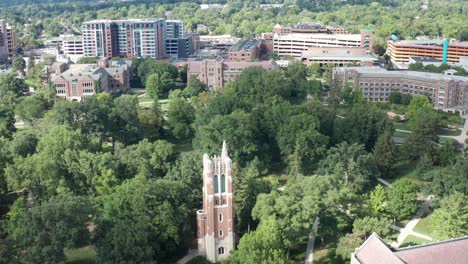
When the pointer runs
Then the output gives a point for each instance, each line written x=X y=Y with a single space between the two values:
x=309 y=256
x=408 y=230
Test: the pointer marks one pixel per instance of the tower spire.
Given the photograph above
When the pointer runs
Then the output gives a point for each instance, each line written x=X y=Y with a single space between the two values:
x=224 y=152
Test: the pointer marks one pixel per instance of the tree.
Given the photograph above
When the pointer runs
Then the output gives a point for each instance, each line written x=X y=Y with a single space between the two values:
x=297 y=72
x=159 y=84
x=30 y=108
x=181 y=115
x=295 y=208
x=124 y=118
x=351 y=165
x=362 y=125
x=7 y=120
x=418 y=66
x=402 y=199
x=263 y=245
x=378 y=199
x=188 y=169
x=385 y=153
x=449 y=220
x=424 y=137
x=194 y=87
x=24 y=143
x=362 y=228
x=417 y=104
x=46 y=229
x=11 y=86
x=143 y=221
x=450 y=179
x=395 y=97
x=347 y=244
x=238 y=129
x=248 y=185
x=147 y=159
x=19 y=65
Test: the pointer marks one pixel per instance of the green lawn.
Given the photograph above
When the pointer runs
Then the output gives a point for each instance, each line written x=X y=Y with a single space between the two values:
x=84 y=255
x=406 y=170
x=402 y=125
x=447 y=139
x=425 y=227
x=450 y=132
x=401 y=134
x=324 y=255
x=413 y=240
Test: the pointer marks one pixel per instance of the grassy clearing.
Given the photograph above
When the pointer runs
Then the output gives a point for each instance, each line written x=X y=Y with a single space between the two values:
x=450 y=132
x=325 y=255
x=84 y=255
x=413 y=240
x=445 y=140
x=401 y=134
x=425 y=227
x=406 y=170
x=403 y=125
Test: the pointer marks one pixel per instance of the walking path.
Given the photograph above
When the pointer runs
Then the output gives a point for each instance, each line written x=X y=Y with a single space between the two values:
x=309 y=255
x=385 y=182
x=190 y=255
x=408 y=230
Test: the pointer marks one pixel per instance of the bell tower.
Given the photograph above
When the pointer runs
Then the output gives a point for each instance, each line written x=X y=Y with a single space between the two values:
x=215 y=221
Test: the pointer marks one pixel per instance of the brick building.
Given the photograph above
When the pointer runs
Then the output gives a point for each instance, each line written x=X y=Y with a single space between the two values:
x=447 y=92
x=215 y=222
x=216 y=73
x=80 y=81
x=375 y=250
x=245 y=50
x=8 y=40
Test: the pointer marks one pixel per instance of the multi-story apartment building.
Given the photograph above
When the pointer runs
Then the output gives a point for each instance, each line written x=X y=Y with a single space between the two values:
x=245 y=50
x=8 y=40
x=293 y=44
x=174 y=29
x=400 y=51
x=140 y=38
x=446 y=91
x=178 y=44
x=80 y=81
x=216 y=73
x=130 y=38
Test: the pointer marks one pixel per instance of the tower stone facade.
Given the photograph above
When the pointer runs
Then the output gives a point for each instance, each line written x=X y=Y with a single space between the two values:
x=216 y=233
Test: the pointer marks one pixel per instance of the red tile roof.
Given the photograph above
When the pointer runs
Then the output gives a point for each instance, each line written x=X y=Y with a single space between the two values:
x=375 y=250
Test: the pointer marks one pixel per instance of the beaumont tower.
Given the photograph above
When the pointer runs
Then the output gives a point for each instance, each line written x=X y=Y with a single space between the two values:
x=216 y=220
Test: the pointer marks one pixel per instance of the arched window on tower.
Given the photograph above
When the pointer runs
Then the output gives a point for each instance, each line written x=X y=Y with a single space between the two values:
x=223 y=183
x=215 y=184
x=221 y=251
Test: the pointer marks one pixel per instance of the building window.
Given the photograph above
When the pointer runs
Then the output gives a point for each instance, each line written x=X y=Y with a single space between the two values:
x=221 y=250
x=220 y=233
x=215 y=184
x=220 y=217
x=223 y=183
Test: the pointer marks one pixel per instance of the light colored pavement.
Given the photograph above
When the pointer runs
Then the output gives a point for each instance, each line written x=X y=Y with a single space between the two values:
x=397 y=228
x=386 y=183
x=309 y=256
x=408 y=230
x=190 y=255
x=403 y=130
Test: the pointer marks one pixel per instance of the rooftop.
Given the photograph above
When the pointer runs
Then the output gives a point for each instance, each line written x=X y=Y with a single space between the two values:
x=375 y=250
x=245 y=45
x=295 y=36
x=338 y=52
x=134 y=20
x=425 y=59
x=376 y=71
